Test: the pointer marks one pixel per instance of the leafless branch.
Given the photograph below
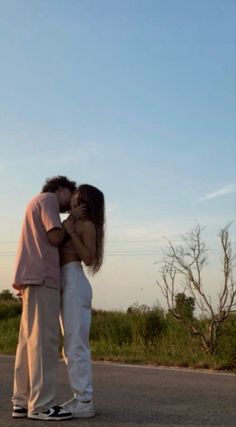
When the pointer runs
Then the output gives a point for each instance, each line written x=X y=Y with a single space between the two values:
x=187 y=260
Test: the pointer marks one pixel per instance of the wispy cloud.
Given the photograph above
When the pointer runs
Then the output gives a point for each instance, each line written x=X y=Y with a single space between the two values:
x=125 y=231
x=227 y=189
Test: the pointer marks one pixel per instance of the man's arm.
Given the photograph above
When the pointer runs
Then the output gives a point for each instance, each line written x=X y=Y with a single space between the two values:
x=51 y=221
x=55 y=236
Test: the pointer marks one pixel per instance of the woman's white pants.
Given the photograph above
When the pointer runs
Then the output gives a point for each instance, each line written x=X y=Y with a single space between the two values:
x=75 y=324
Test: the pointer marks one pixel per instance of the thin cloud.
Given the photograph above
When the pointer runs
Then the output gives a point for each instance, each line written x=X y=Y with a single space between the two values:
x=121 y=230
x=227 y=189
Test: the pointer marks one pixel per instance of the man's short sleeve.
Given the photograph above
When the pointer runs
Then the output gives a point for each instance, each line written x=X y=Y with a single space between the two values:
x=50 y=215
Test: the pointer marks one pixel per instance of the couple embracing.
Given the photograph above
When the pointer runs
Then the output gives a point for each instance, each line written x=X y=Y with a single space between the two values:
x=51 y=282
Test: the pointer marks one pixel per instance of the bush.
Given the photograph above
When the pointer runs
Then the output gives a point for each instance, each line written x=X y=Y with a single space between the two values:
x=111 y=326
x=138 y=325
x=9 y=330
x=9 y=309
x=226 y=350
x=147 y=323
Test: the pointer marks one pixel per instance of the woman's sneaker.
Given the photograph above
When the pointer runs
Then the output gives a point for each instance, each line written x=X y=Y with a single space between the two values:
x=19 y=412
x=79 y=409
x=56 y=413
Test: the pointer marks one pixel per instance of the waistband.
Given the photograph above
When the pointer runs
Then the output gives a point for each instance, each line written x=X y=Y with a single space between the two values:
x=73 y=265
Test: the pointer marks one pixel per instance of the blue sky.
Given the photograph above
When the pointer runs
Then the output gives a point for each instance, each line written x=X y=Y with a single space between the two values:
x=135 y=97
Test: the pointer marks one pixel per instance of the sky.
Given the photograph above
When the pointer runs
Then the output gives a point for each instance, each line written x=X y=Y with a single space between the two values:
x=137 y=98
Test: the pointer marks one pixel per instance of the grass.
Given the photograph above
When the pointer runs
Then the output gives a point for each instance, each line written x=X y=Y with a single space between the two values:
x=9 y=334
x=142 y=335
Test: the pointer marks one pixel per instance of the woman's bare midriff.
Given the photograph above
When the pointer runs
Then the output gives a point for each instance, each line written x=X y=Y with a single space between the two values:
x=66 y=257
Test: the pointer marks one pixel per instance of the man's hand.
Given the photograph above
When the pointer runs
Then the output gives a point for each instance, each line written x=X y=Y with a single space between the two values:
x=78 y=212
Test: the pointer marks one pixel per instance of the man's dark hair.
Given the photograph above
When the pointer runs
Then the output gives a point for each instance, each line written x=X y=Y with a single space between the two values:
x=53 y=184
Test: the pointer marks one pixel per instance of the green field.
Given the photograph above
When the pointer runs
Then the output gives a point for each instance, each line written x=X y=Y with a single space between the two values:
x=141 y=335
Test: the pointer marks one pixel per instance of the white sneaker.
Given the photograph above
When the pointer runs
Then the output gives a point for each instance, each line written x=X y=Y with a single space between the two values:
x=79 y=409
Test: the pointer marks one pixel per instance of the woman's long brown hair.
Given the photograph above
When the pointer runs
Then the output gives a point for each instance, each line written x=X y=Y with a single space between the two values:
x=95 y=212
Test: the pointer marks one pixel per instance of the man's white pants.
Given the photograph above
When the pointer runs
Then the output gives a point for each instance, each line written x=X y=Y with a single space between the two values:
x=35 y=374
x=75 y=324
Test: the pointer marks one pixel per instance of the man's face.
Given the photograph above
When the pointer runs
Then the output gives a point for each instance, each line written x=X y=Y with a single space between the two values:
x=74 y=200
x=64 y=198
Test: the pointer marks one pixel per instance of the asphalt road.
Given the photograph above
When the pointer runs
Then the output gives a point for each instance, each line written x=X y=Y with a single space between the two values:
x=129 y=396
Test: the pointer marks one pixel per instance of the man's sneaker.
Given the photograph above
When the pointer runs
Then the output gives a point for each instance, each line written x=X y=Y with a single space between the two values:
x=19 y=412
x=79 y=409
x=56 y=413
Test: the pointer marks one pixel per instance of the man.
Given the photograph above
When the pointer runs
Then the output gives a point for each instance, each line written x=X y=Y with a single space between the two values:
x=37 y=277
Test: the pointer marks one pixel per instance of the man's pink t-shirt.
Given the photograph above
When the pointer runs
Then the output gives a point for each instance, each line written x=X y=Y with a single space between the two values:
x=37 y=261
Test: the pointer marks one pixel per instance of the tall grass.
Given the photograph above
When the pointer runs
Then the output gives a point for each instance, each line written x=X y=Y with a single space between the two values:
x=9 y=334
x=142 y=335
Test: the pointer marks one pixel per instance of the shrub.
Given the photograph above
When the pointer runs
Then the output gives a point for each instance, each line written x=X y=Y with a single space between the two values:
x=147 y=323
x=9 y=309
x=226 y=349
x=111 y=326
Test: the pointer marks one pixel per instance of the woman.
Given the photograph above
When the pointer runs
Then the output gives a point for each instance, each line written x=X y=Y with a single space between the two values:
x=84 y=243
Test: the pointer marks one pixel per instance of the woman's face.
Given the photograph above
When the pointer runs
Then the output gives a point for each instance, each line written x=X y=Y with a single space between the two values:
x=77 y=200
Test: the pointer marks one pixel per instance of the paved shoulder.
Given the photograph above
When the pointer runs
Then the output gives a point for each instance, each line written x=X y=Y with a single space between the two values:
x=128 y=396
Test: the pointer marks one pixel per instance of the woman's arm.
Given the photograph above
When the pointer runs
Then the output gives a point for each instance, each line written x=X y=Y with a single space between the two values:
x=85 y=245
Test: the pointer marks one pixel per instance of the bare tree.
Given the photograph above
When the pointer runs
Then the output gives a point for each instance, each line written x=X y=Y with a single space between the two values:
x=187 y=260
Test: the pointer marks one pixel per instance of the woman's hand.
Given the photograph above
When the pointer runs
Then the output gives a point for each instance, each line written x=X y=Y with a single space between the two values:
x=79 y=212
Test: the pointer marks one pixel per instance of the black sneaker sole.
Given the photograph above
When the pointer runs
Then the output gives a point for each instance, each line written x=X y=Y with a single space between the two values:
x=39 y=418
x=19 y=415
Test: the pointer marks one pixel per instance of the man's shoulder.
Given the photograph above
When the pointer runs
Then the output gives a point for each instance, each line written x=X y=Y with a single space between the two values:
x=40 y=199
x=44 y=197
